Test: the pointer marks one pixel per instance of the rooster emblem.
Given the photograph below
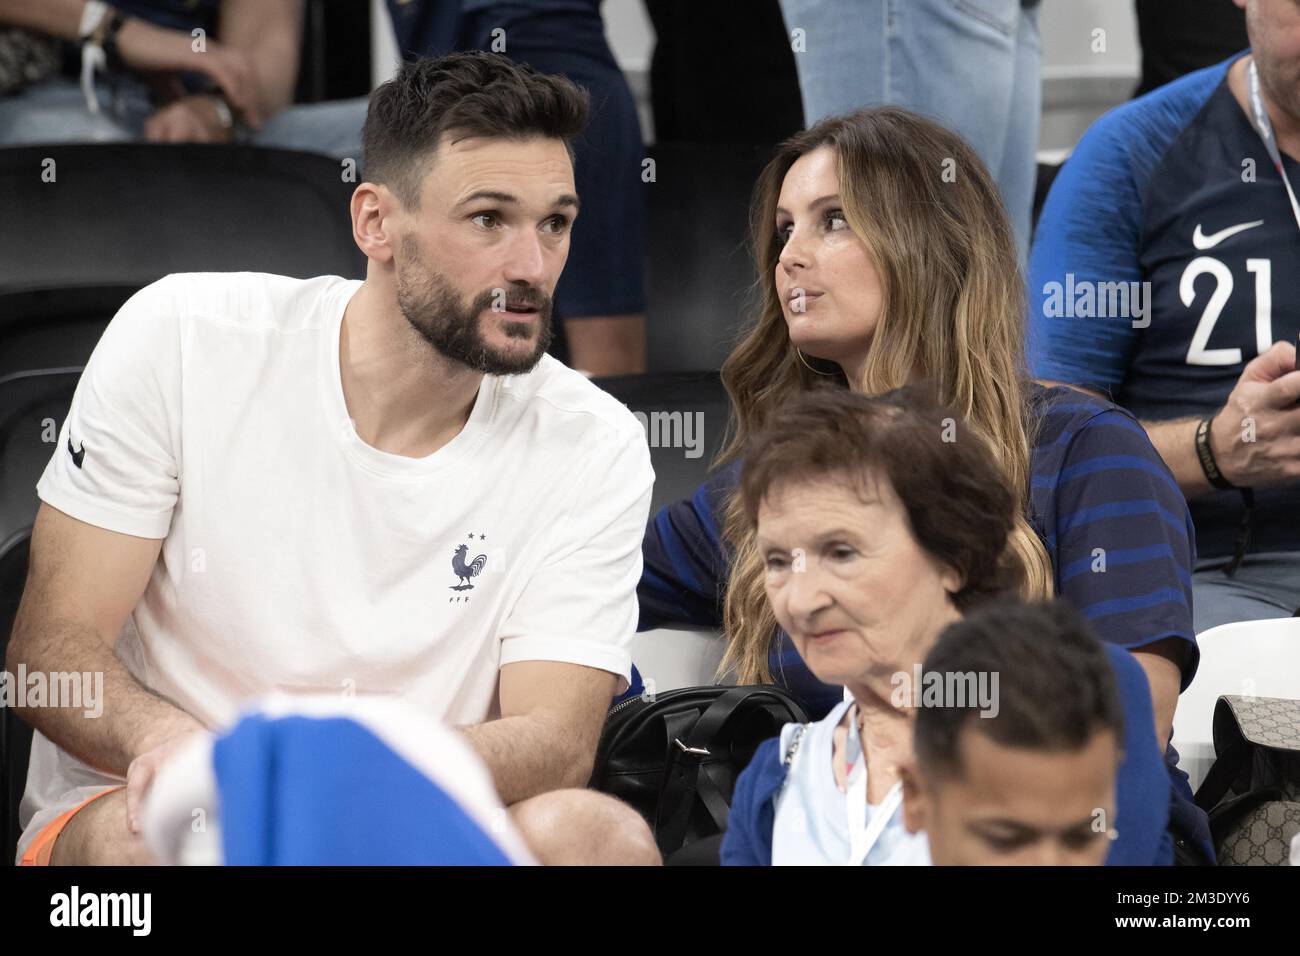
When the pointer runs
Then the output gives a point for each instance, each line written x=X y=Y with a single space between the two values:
x=466 y=570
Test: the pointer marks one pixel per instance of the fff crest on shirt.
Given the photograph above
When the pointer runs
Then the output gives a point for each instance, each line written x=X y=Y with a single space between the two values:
x=474 y=560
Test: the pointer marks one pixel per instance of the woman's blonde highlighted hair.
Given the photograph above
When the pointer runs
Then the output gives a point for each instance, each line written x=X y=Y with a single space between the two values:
x=952 y=311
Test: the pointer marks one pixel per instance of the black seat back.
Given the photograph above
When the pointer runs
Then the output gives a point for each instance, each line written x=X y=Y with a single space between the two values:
x=15 y=736
x=685 y=416
x=125 y=214
x=55 y=328
x=33 y=405
x=698 y=267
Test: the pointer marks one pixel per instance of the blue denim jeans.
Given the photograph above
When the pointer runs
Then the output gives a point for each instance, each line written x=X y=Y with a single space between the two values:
x=1266 y=586
x=972 y=65
x=54 y=111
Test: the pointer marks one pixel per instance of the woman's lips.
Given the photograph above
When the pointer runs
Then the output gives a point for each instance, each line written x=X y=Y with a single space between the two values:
x=799 y=302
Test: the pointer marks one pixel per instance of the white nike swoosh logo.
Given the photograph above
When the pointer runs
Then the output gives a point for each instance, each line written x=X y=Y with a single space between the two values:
x=1201 y=241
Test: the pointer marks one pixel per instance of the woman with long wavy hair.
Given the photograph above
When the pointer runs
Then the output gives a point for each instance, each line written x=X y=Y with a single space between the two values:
x=884 y=258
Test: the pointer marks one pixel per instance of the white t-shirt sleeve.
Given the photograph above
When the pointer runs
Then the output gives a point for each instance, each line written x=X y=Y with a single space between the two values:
x=580 y=606
x=116 y=464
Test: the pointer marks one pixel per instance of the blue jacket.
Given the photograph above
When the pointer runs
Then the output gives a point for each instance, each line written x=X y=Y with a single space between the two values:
x=1142 y=788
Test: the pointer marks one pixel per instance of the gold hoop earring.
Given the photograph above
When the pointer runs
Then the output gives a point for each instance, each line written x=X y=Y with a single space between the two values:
x=809 y=367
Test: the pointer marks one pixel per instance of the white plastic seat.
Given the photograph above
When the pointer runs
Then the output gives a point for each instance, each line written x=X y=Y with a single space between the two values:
x=673 y=658
x=1249 y=658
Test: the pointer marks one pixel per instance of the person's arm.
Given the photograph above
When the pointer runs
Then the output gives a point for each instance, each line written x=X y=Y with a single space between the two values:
x=1255 y=437
x=82 y=583
x=551 y=717
x=269 y=34
x=684 y=574
x=1175 y=440
x=565 y=642
x=145 y=47
x=107 y=496
x=56 y=18
x=263 y=39
x=741 y=842
x=1088 y=234
x=1162 y=661
x=1124 y=543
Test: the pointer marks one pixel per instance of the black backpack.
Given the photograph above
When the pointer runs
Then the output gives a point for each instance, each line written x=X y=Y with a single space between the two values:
x=675 y=756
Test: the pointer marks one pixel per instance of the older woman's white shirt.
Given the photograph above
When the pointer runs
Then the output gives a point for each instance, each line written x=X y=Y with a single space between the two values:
x=812 y=827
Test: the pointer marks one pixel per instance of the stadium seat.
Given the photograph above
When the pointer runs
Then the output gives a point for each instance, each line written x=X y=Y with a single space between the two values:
x=698 y=267
x=15 y=736
x=144 y=210
x=33 y=405
x=50 y=328
x=670 y=658
x=685 y=417
x=676 y=658
x=1250 y=658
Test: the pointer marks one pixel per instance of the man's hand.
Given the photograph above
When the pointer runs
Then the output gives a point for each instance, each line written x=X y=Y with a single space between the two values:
x=191 y=119
x=144 y=768
x=147 y=48
x=1256 y=436
x=233 y=72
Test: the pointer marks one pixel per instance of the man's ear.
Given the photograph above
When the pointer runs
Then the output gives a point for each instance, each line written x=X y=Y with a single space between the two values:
x=373 y=210
x=952 y=580
x=916 y=801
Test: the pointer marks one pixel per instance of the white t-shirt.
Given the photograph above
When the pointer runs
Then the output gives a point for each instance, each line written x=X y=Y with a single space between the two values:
x=299 y=559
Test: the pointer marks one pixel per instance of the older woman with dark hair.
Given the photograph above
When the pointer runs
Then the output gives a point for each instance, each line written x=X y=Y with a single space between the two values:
x=880 y=521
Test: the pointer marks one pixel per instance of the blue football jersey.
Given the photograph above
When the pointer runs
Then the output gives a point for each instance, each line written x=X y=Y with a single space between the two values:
x=1166 y=259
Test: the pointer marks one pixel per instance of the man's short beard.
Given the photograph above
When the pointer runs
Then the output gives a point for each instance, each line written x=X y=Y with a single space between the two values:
x=434 y=309
x=1276 y=77
x=1280 y=92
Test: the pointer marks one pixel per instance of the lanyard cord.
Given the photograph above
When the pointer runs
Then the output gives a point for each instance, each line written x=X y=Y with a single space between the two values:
x=1264 y=126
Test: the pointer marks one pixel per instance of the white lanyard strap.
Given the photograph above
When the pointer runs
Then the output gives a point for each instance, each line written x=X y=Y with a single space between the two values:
x=92 y=54
x=863 y=836
x=1264 y=127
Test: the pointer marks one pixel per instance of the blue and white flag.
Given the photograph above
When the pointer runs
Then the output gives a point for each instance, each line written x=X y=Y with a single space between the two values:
x=302 y=781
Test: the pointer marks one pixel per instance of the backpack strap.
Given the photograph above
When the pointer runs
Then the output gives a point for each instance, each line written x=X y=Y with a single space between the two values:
x=692 y=738
x=1228 y=765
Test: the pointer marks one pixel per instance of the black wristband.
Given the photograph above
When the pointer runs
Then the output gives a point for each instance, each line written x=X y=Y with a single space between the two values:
x=112 y=56
x=1205 y=455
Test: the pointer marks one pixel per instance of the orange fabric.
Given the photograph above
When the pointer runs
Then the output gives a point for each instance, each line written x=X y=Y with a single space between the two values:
x=39 y=851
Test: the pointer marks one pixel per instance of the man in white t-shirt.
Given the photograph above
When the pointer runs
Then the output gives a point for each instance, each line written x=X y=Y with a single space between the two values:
x=353 y=487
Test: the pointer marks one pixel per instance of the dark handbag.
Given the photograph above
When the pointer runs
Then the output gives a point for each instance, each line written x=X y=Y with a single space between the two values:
x=25 y=58
x=1252 y=793
x=675 y=756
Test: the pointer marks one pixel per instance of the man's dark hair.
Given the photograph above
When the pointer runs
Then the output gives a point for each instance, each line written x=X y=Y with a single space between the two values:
x=465 y=95
x=1056 y=687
